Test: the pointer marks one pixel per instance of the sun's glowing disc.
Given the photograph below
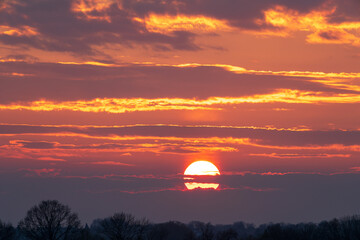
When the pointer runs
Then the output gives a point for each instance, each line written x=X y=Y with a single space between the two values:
x=202 y=168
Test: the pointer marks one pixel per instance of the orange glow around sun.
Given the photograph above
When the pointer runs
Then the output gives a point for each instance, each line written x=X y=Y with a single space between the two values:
x=201 y=168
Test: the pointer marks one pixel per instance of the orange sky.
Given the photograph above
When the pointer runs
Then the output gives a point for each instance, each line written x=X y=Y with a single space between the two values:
x=103 y=89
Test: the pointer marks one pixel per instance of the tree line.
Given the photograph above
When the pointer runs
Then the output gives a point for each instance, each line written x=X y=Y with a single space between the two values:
x=51 y=220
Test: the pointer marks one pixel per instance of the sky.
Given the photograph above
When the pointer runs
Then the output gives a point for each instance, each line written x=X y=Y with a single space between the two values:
x=104 y=104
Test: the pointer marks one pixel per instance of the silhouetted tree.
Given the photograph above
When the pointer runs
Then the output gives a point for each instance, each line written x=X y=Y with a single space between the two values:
x=337 y=229
x=50 y=220
x=273 y=232
x=245 y=230
x=307 y=230
x=123 y=226
x=350 y=227
x=7 y=231
x=228 y=234
x=86 y=234
x=170 y=231
x=205 y=231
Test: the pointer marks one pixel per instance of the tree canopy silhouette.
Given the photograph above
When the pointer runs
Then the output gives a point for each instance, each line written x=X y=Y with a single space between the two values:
x=122 y=226
x=7 y=232
x=50 y=220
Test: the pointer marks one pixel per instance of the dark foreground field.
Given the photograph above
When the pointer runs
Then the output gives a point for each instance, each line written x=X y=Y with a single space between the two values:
x=51 y=220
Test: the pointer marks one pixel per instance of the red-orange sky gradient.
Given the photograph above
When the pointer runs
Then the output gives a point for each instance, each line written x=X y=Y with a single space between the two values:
x=104 y=103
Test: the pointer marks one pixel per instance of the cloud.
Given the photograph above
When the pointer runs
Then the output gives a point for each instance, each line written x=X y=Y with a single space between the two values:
x=124 y=105
x=205 y=188
x=111 y=163
x=346 y=11
x=43 y=172
x=300 y=155
x=34 y=144
x=80 y=25
x=352 y=170
x=126 y=177
x=356 y=169
x=19 y=58
x=325 y=21
x=281 y=138
x=315 y=23
x=166 y=24
x=103 y=149
x=51 y=159
x=133 y=87
x=241 y=14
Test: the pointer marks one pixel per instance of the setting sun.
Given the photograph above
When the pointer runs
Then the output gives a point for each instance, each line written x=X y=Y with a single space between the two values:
x=202 y=168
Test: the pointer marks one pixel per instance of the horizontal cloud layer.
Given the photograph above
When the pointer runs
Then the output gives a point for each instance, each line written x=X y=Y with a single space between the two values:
x=23 y=81
x=79 y=25
x=266 y=136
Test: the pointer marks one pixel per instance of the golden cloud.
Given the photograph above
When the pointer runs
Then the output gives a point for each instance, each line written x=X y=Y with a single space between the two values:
x=316 y=22
x=90 y=9
x=123 y=105
x=167 y=23
x=21 y=31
